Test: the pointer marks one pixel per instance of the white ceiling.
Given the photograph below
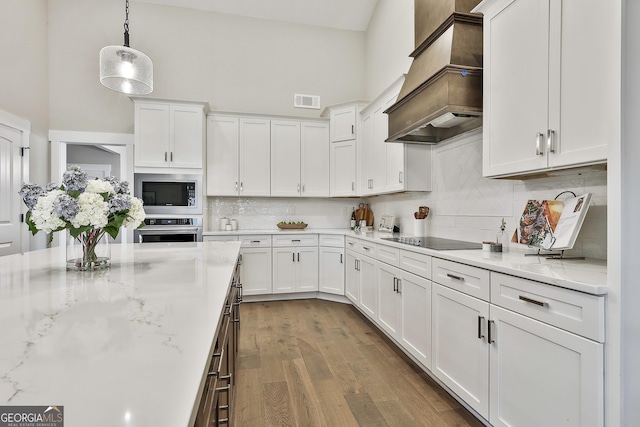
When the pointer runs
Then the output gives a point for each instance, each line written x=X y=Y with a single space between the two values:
x=342 y=14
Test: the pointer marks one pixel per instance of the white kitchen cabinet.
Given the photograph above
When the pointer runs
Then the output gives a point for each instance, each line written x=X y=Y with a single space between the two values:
x=238 y=156
x=295 y=269
x=343 y=122
x=331 y=274
x=299 y=159
x=415 y=336
x=390 y=305
x=314 y=159
x=389 y=167
x=547 y=104
x=534 y=366
x=459 y=345
x=342 y=178
x=352 y=277
x=331 y=264
x=255 y=270
x=169 y=135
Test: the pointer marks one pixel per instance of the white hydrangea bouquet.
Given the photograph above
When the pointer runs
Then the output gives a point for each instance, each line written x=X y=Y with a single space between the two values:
x=87 y=208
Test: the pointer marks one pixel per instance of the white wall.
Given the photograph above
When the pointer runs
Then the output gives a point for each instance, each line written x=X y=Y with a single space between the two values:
x=390 y=40
x=24 y=74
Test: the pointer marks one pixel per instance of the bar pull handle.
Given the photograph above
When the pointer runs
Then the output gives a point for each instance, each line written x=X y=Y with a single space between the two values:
x=539 y=150
x=293 y=256
x=480 y=321
x=341 y=259
x=165 y=156
x=399 y=285
x=255 y=241
x=551 y=141
x=489 y=325
x=366 y=248
x=171 y=156
x=303 y=188
x=298 y=187
x=395 y=284
x=236 y=185
x=453 y=276
x=533 y=301
x=241 y=186
x=400 y=177
x=298 y=256
x=353 y=186
x=295 y=240
x=353 y=129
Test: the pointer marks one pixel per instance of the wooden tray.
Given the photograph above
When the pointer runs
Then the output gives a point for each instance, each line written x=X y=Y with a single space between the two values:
x=292 y=226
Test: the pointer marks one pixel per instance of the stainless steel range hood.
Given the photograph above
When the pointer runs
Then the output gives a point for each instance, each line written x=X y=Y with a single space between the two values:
x=442 y=93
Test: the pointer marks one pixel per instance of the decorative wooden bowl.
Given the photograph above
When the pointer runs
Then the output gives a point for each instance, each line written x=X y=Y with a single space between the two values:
x=292 y=226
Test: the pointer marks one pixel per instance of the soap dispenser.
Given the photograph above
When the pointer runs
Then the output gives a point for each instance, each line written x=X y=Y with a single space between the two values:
x=503 y=237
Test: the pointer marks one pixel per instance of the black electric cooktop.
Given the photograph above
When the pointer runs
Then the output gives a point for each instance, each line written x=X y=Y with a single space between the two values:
x=435 y=243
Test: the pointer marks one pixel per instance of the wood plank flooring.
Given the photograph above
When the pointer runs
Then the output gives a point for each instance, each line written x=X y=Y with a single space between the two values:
x=314 y=363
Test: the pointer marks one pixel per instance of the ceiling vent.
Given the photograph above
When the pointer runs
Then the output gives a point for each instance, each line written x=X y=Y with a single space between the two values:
x=306 y=101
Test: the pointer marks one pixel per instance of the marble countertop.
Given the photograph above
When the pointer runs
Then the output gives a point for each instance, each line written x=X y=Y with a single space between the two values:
x=127 y=346
x=589 y=276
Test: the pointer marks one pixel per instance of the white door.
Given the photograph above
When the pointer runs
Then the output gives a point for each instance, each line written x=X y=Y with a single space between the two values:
x=285 y=158
x=187 y=136
x=352 y=278
x=368 y=286
x=331 y=274
x=222 y=156
x=152 y=135
x=314 y=159
x=284 y=270
x=307 y=269
x=343 y=168
x=542 y=375
x=389 y=300
x=516 y=88
x=415 y=311
x=459 y=345
x=255 y=271
x=10 y=183
x=366 y=159
x=255 y=157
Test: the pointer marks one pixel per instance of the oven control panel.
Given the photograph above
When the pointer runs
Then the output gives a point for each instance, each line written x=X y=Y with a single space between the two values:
x=170 y=221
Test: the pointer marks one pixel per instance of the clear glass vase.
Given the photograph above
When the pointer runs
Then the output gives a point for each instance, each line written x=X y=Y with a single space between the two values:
x=89 y=251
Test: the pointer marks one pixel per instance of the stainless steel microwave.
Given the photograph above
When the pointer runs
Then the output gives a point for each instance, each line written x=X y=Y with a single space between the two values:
x=169 y=194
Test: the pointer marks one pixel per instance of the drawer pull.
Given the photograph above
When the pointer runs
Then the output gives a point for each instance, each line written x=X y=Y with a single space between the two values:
x=255 y=241
x=295 y=240
x=453 y=276
x=480 y=334
x=532 y=301
x=489 y=324
x=366 y=248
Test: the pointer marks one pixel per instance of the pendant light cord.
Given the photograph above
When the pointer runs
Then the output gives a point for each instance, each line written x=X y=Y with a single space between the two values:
x=126 y=24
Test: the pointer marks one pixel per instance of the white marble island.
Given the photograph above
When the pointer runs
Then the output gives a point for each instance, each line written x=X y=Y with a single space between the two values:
x=123 y=347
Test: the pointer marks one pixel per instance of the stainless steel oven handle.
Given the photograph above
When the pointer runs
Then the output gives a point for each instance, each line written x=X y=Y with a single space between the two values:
x=164 y=232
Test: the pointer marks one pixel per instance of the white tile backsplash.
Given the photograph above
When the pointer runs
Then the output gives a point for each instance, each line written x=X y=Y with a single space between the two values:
x=463 y=204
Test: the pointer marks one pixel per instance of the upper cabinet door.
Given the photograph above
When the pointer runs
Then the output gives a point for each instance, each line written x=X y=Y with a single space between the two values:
x=285 y=158
x=585 y=100
x=255 y=157
x=152 y=135
x=516 y=87
x=314 y=159
x=187 y=135
x=343 y=168
x=343 y=123
x=222 y=156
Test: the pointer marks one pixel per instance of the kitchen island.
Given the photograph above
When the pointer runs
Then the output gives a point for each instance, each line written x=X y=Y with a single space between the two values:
x=127 y=346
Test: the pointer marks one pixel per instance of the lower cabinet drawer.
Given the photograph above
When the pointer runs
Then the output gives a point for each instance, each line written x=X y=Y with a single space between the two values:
x=255 y=241
x=576 y=312
x=295 y=240
x=389 y=254
x=418 y=264
x=332 y=240
x=470 y=280
x=225 y=238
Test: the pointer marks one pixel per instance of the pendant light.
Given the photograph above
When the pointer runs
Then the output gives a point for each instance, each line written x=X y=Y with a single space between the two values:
x=124 y=69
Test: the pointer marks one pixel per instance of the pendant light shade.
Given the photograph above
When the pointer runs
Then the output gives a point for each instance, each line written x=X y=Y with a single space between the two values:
x=124 y=69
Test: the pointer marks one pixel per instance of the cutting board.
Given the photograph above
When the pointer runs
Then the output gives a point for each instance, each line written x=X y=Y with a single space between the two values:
x=364 y=212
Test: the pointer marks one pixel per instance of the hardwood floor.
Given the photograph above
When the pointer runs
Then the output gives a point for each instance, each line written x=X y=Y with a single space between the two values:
x=314 y=363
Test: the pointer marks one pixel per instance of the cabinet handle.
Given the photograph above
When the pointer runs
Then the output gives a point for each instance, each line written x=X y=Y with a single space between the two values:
x=539 y=150
x=353 y=186
x=366 y=248
x=298 y=256
x=453 y=276
x=295 y=240
x=241 y=189
x=240 y=260
x=399 y=285
x=532 y=301
x=400 y=177
x=395 y=284
x=551 y=141
x=480 y=321
x=236 y=185
x=298 y=187
x=171 y=156
x=350 y=243
x=489 y=324
x=165 y=156
x=255 y=241
x=353 y=129
x=341 y=259
x=293 y=256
